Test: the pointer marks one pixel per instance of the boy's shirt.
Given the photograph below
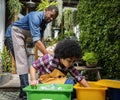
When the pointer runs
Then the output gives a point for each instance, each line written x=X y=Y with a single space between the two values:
x=48 y=63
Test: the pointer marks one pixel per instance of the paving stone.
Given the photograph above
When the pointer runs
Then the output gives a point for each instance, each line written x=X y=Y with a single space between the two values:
x=10 y=90
x=7 y=95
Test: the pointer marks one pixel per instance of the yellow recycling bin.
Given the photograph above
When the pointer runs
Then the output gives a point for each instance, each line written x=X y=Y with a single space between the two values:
x=113 y=88
x=109 y=83
x=94 y=92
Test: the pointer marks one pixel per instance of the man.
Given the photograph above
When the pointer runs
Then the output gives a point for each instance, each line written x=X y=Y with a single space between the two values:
x=33 y=24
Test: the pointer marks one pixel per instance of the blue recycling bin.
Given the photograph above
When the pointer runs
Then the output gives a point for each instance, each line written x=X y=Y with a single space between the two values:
x=113 y=94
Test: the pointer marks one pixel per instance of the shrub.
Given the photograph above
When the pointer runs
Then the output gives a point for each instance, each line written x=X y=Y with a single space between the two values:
x=99 y=22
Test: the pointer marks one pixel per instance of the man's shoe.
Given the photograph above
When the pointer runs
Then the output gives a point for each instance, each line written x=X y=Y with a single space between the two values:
x=20 y=95
x=24 y=98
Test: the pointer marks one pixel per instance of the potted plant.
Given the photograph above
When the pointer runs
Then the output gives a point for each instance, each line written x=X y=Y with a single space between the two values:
x=5 y=65
x=44 y=4
x=14 y=7
x=91 y=59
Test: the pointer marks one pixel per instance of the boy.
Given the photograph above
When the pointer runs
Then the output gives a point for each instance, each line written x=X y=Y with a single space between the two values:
x=54 y=68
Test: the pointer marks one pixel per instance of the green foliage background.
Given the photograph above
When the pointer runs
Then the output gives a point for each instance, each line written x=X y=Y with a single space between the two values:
x=14 y=6
x=99 y=22
x=44 y=4
x=5 y=60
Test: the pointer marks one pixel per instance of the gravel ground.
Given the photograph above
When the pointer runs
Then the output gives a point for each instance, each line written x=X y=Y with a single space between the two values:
x=9 y=94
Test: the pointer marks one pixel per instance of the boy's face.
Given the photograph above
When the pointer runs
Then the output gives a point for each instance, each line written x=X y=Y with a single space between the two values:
x=67 y=62
x=50 y=15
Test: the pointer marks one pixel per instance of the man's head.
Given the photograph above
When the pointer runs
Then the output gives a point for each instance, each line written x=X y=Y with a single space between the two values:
x=51 y=13
x=67 y=51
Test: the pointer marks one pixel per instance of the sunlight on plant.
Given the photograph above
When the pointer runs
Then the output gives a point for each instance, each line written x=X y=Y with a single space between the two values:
x=5 y=60
x=90 y=57
x=44 y=4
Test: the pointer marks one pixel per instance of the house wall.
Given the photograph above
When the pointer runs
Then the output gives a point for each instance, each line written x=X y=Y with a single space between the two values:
x=2 y=23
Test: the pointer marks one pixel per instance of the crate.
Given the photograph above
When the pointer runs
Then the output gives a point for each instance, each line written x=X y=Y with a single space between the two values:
x=94 y=92
x=60 y=92
x=113 y=92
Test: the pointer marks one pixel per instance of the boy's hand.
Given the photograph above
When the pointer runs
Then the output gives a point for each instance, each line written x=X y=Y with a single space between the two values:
x=34 y=83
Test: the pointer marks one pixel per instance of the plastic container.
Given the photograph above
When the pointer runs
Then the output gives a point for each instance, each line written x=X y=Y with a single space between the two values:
x=113 y=92
x=58 y=92
x=94 y=92
x=109 y=83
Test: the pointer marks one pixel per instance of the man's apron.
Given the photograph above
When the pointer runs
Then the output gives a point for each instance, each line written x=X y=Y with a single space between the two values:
x=55 y=77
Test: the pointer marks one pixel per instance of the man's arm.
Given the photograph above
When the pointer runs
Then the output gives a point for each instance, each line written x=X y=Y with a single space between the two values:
x=41 y=47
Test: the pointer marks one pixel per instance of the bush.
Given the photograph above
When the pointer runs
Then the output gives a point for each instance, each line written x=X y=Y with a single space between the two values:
x=99 y=22
x=5 y=60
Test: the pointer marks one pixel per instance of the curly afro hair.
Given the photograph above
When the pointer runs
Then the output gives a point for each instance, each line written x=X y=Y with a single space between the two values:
x=67 y=49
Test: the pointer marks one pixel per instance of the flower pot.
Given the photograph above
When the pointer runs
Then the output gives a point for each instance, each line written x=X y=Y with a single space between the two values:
x=91 y=65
